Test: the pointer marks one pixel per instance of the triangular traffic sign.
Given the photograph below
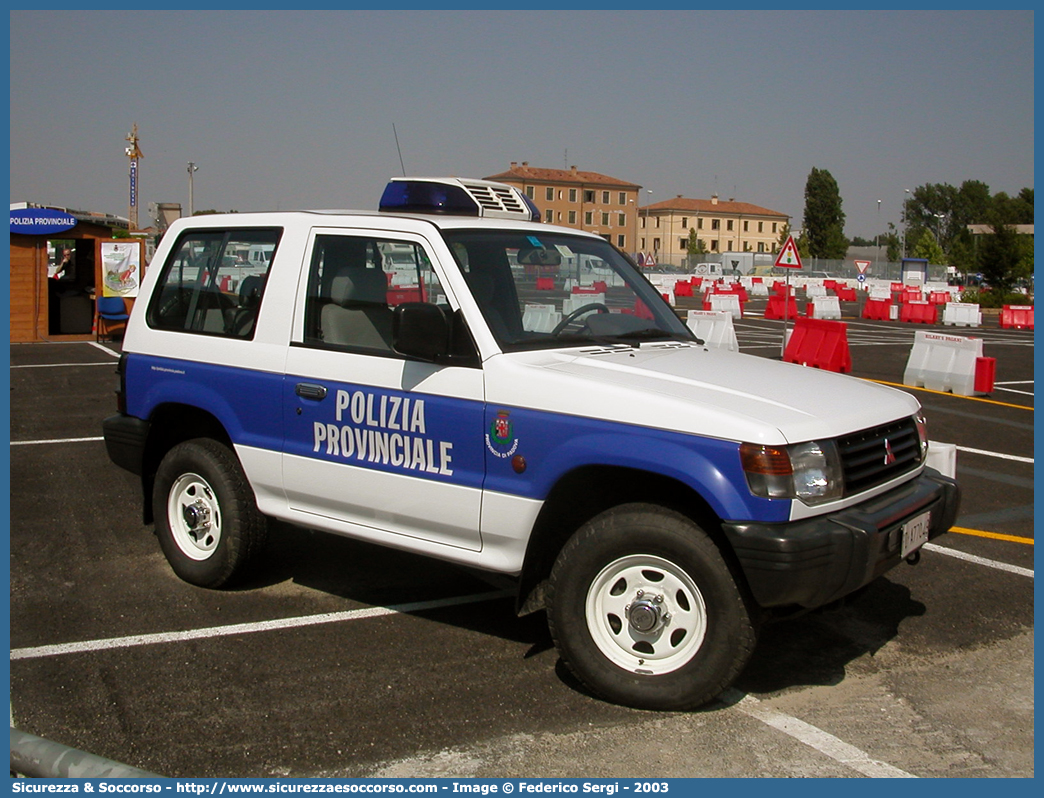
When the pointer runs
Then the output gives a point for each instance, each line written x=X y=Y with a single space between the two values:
x=862 y=265
x=788 y=257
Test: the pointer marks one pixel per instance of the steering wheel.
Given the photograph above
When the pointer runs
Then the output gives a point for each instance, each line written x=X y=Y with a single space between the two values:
x=580 y=311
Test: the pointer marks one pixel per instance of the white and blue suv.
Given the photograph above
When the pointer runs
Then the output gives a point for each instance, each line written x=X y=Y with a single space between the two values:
x=450 y=377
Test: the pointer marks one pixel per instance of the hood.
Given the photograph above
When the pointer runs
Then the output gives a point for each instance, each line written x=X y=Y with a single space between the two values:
x=688 y=388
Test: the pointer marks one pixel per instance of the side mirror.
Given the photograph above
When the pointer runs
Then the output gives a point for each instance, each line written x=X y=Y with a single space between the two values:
x=421 y=330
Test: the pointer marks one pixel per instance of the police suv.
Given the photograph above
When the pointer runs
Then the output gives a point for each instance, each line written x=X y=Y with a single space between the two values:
x=450 y=377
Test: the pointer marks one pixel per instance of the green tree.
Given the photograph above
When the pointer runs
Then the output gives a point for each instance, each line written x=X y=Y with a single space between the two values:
x=892 y=244
x=929 y=249
x=824 y=224
x=695 y=246
x=1005 y=256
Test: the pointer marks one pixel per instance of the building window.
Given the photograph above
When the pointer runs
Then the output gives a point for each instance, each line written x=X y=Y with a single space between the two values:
x=761 y=246
x=605 y=197
x=589 y=218
x=572 y=217
x=622 y=198
x=656 y=245
x=773 y=227
x=683 y=244
x=588 y=196
x=621 y=219
x=620 y=242
x=728 y=224
x=608 y=238
x=529 y=192
x=572 y=195
x=547 y=216
x=761 y=227
x=685 y=223
x=657 y=221
x=699 y=223
x=605 y=220
x=549 y=194
x=714 y=245
x=746 y=226
x=715 y=224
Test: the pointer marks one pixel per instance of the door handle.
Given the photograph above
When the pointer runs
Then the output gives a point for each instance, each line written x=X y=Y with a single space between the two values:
x=309 y=390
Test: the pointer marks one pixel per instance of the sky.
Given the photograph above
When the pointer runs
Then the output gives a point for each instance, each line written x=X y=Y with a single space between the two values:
x=282 y=110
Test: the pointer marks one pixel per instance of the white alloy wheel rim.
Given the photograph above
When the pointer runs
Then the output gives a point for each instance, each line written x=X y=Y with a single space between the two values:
x=646 y=614
x=195 y=516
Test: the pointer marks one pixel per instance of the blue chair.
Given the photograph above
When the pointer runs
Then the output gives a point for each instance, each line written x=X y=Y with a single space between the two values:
x=112 y=312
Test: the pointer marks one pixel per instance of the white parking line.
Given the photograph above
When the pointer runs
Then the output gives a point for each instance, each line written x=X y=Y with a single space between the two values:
x=57 y=365
x=131 y=641
x=960 y=555
x=1014 y=457
x=56 y=440
x=816 y=738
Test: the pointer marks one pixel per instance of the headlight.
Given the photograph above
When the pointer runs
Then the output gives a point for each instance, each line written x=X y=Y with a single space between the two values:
x=809 y=471
x=922 y=433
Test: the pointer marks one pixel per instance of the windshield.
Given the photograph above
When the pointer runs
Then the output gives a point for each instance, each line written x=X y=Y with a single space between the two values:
x=539 y=290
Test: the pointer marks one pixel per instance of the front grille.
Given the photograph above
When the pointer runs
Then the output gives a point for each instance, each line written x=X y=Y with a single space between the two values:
x=871 y=457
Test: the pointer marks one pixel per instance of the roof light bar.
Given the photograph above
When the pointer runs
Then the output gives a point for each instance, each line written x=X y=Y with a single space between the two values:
x=456 y=197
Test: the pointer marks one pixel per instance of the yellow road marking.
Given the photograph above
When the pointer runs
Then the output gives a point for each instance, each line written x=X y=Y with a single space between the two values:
x=947 y=393
x=992 y=535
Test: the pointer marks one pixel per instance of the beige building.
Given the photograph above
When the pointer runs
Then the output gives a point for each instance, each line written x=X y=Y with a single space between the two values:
x=722 y=226
x=603 y=205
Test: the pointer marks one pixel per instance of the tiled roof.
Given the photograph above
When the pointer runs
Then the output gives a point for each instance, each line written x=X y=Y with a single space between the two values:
x=529 y=173
x=706 y=206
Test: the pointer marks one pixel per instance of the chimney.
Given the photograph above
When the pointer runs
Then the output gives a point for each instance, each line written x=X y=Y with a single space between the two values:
x=514 y=164
x=714 y=199
x=525 y=164
x=572 y=170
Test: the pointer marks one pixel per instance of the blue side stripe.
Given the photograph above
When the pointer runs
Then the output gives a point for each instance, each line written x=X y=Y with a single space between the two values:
x=457 y=441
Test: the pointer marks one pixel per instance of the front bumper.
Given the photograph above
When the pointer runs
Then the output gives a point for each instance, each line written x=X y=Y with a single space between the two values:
x=125 y=438
x=816 y=561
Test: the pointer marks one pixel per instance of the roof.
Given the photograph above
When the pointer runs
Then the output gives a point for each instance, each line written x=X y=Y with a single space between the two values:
x=707 y=206
x=986 y=229
x=527 y=173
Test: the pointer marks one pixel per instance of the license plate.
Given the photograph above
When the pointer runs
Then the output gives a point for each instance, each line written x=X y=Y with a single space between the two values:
x=915 y=533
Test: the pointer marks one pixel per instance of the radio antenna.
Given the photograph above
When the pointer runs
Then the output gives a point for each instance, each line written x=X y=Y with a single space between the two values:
x=398 y=150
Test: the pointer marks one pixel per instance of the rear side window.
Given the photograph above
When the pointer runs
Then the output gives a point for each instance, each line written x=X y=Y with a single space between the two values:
x=214 y=281
x=354 y=285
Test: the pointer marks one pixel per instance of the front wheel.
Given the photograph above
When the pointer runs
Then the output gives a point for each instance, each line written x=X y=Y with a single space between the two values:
x=207 y=520
x=645 y=612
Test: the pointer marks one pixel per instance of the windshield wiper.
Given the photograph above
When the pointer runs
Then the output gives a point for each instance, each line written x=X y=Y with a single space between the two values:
x=635 y=337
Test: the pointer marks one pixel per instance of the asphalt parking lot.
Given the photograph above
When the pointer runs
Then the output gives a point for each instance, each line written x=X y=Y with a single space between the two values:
x=343 y=659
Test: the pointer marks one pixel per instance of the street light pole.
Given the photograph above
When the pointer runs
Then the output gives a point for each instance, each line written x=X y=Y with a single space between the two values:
x=904 y=220
x=191 y=168
x=877 y=237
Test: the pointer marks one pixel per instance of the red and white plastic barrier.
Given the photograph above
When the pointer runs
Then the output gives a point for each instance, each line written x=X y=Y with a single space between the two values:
x=961 y=314
x=724 y=302
x=1019 y=317
x=820 y=344
x=714 y=328
x=824 y=307
x=941 y=362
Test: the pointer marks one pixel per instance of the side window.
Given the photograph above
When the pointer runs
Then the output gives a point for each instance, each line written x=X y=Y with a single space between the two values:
x=354 y=285
x=213 y=282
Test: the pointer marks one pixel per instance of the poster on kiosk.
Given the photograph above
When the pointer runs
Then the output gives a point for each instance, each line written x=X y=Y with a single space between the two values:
x=121 y=267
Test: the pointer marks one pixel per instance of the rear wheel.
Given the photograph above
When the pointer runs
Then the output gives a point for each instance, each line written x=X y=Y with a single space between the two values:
x=207 y=521
x=645 y=611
